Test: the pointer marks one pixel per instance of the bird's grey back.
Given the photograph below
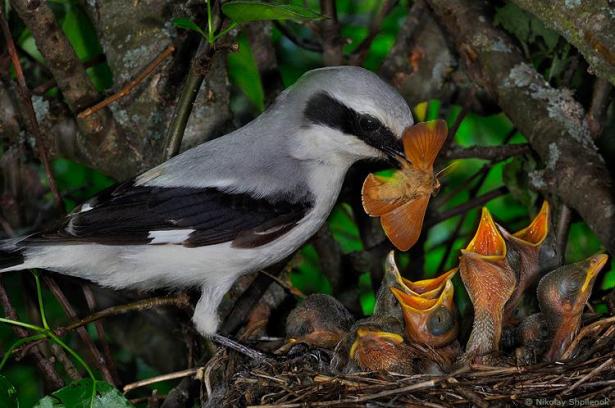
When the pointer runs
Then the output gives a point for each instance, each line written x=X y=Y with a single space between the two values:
x=243 y=160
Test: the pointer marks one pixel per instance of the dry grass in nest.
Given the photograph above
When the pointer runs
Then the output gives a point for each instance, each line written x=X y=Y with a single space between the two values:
x=306 y=380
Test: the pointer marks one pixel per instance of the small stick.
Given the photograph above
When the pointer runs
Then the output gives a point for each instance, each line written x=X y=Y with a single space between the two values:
x=561 y=236
x=240 y=348
x=589 y=375
x=68 y=365
x=100 y=361
x=306 y=44
x=402 y=390
x=495 y=153
x=159 y=378
x=583 y=333
x=30 y=116
x=476 y=202
x=43 y=364
x=128 y=88
x=102 y=338
x=181 y=300
x=359 y=54
x=290 y=289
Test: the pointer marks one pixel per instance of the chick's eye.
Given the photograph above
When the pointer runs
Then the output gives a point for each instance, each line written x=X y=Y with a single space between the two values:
x=369 y=123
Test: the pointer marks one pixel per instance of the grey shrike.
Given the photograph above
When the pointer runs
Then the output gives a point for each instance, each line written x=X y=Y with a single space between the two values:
x=230 y=206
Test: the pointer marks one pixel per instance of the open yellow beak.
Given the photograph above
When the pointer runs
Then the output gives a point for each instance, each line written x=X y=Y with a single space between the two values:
x=487 y=241
x=413 y=301
x=535 y=233
x=430 y=287
x=417 y=312
x=363 y=332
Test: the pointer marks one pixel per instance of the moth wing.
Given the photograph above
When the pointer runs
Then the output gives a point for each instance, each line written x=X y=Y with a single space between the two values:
x=382 y=195
x=403 y=225
x=423 y=141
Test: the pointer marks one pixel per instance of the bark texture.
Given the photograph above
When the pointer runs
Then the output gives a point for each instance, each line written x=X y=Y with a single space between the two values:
x=588 y=25
x=552 y=120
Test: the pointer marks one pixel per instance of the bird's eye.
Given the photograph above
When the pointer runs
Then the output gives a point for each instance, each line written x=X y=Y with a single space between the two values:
x=369 y=124
x=440 y=322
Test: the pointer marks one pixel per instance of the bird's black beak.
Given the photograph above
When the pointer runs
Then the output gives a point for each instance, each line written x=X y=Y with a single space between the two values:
x=394 y=152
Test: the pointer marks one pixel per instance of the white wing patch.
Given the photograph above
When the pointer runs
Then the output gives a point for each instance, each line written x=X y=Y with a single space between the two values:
x=170 y=236
x=85 y=207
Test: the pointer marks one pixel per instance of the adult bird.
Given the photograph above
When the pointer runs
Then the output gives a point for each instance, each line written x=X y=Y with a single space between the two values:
x=230 y=206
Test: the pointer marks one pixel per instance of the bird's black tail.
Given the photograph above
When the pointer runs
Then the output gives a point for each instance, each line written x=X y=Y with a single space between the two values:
x=10 y=256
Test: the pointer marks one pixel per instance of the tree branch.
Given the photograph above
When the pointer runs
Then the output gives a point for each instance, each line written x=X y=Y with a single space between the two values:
x=551 y=119
x=180 y=300
x=101 y=143
x=359 y=54
x=599 y=105
x=298 y=41
x=259 y=34
x=330 y=34
x=30 y=120
x=42 y=363
x=588 y=25
x=99 y=360
x=495 y=153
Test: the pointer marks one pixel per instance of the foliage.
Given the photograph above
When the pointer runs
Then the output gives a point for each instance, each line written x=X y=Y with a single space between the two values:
x=77 y=395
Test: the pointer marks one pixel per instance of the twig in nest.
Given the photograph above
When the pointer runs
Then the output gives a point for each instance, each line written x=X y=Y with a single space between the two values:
x=589 y=375
x=584 y=333
x=128 y=88
x=29 y=115
x=240 y=348
x=159 y=378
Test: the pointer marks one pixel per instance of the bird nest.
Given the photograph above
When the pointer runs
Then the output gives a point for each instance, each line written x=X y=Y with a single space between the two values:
x=305 y=379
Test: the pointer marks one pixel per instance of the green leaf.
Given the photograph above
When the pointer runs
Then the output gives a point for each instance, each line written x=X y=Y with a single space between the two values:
x=514 y=20
x=77 y=395
x=188 y=24
x=8 y=394
x=242 y=11
x=243 y=73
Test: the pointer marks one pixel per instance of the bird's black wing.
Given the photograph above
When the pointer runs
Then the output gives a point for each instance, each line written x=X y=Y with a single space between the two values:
x=128 y=215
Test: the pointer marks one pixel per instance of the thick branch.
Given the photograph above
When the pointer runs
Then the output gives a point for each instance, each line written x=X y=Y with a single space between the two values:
x=551 y=119
x=101 y=145
x=588 y=25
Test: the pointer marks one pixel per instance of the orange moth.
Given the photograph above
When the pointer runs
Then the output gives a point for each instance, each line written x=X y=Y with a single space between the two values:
x=401 y=200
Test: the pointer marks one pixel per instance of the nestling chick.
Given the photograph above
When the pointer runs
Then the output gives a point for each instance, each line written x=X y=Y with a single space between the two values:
x=490 y=283
x=562 y=295
x=522 y=254
x=320 y=321
x=431 y=322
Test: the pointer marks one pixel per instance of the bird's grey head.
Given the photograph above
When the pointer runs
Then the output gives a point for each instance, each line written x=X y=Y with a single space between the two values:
x=347 y=112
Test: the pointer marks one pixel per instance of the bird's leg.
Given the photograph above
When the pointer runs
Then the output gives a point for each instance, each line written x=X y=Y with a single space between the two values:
x=205 y=317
